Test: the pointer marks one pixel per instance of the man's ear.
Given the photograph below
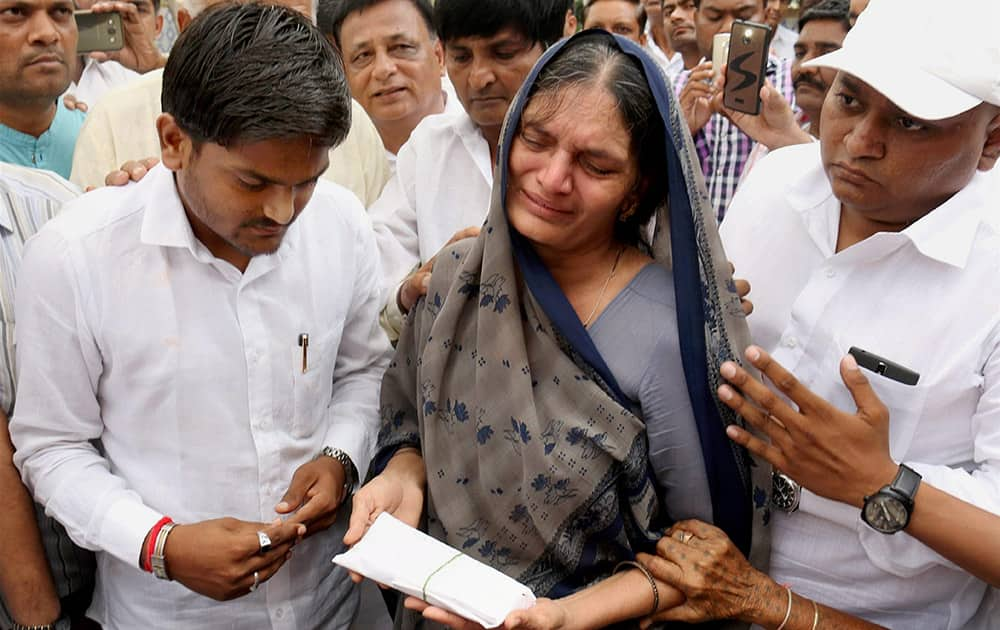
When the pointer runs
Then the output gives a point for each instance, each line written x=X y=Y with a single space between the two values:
x=183 y=19
x=175 y=144
x=159 y=25
x=991 y=148
x=438 y=48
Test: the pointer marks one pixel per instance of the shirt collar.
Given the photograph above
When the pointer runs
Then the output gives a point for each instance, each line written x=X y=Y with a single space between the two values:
x=165 y=222
x=948 y=232
x=6 y=220
x=945 y=234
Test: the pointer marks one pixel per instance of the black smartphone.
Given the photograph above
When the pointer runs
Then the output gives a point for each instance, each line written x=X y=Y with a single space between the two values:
x=747 y=63
x=884 y=367
x=99 y=32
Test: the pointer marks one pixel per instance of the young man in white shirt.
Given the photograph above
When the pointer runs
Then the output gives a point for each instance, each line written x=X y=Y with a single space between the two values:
x=444 y=173
x=882 y=237
x=215 y=327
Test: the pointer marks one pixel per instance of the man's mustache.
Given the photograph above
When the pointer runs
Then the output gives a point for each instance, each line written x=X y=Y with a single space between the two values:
x=808 y=80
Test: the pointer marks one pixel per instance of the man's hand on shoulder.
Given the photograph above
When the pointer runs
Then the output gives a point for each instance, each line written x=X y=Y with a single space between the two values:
x=218 y=558
x=131 y=171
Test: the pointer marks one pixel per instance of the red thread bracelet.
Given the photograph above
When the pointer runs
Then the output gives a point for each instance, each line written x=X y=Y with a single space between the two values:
x=147 y=554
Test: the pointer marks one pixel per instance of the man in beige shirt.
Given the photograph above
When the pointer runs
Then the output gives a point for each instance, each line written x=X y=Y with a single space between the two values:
x=122 y=127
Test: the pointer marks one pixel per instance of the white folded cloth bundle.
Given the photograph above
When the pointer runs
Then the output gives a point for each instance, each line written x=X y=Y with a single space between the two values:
x=397 y=555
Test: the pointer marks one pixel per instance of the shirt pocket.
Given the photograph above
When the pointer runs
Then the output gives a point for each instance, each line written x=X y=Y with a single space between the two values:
x=313 y=386
x=906 y=406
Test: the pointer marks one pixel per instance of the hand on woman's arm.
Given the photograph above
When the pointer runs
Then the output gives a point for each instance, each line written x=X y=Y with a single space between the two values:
x=717 y=582
x=25 y=580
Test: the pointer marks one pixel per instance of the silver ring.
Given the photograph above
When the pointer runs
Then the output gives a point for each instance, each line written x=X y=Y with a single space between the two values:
x=265 y=542
x=256 y=581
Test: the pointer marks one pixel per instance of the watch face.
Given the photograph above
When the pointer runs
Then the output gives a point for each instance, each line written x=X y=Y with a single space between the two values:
x=785 y=493
x=886 y=514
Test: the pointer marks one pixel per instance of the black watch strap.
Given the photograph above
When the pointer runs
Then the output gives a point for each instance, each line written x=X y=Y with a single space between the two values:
x=906 y=482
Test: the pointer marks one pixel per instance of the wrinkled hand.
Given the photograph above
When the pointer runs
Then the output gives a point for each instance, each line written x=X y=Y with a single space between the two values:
x=415 y=285
x=131 y=171
x=316 y=491
x=696 y=97
x=774 y=127
x=218 y=558
x=139 y=52
x=717 y=581
x=71 y=103
x=838 y=455
x=546 y=614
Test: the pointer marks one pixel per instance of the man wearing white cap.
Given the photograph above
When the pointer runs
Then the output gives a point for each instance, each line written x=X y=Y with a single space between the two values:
x=881 y=238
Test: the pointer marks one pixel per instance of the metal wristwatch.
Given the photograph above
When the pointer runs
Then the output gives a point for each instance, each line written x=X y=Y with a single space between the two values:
x=888 y=511
x=786 y=493
x=350 y=471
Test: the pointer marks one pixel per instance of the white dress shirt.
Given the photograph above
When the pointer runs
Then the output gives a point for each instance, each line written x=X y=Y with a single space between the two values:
x=189 y=372
x=927 y=298
x=443 y=181
x=99 y=78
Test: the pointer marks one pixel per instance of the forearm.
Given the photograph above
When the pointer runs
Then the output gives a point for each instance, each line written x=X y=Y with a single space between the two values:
x=773 y=609
x=25 y=580
x=623 y=596
x=936 y=517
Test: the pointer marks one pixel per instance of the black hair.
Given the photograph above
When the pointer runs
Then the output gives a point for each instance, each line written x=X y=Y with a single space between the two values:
x=596 y=60
x=839 y=10
x=537 y=20
x=248 y=72
x=331 y=14
x=640 y=12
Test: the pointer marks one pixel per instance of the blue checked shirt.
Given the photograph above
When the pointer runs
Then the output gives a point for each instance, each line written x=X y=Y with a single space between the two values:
x=722 y=148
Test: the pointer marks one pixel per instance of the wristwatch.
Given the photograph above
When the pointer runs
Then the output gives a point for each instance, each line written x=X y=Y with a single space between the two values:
x=350 y=472
x=888 y=511
x=785 y=492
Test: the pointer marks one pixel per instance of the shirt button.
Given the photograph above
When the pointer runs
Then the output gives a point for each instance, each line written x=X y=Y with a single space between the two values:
x=831 y=272
x=791 y=342
x=279 y=613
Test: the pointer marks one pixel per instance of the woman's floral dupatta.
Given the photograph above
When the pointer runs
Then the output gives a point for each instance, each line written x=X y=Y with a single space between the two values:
x=536 y=465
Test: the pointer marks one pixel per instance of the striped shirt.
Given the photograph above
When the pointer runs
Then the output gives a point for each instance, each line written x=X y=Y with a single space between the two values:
x=722 y=148
x=28 y=198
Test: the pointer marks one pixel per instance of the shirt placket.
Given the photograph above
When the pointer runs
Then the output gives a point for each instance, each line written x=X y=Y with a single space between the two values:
x=263 y=372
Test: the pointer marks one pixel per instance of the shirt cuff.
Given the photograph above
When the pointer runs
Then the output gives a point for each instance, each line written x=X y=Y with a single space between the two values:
x=124 y=529
x=391 y=318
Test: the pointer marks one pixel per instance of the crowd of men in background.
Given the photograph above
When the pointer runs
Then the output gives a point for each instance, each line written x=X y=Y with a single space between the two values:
x=431 y=86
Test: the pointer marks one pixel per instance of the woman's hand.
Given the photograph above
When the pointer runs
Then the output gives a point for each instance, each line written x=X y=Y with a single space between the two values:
x=717 y=581
x=546 y=614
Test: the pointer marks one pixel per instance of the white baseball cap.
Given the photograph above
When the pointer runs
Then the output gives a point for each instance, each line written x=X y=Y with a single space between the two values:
x=933 y=59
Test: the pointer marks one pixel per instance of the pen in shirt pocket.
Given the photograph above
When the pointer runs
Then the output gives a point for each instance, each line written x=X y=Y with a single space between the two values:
x=304 y=344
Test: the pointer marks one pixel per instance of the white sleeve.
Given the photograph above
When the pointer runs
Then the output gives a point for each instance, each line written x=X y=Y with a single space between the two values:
x=353 y=414
x=905 y=556
x=394 y=218
x=58 y=413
